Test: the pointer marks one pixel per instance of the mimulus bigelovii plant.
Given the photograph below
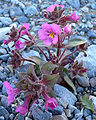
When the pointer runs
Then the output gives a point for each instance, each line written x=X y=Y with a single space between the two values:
x=54 y=34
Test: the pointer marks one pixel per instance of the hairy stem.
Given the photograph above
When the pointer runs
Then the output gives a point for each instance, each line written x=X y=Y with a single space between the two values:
x=43 y=53
x=71 y=53
x=62 y=55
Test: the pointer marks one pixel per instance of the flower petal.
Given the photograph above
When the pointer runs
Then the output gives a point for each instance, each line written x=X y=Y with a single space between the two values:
x=46 y=27
x=22 y=109
x=55 y=39
x=26 y=26
x=56 y=28
x=50 y=8
x=42 y=34
x=47 y=42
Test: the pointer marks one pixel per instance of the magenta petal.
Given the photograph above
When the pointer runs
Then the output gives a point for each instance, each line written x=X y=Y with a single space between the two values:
x=46 y=106
x=55 y=39
x=12 y=93
x=47 y=42
x=19 y=45
x=24 y=32
x=42 y=34
x=22 y=109
x=26 y=25
x=46 y=27
x=8 y=87
x=50 y=8
x=56 y=28
x=6 y=41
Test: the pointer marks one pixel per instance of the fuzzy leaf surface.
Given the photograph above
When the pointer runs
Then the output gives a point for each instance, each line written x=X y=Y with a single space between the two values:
x=87 y=103
x=50 y=80
x=48 y=67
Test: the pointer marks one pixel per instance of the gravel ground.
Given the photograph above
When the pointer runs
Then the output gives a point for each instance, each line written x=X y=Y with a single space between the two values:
x=17 y=12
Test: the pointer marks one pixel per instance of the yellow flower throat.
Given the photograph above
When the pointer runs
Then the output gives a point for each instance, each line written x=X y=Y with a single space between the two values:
x=51 y=35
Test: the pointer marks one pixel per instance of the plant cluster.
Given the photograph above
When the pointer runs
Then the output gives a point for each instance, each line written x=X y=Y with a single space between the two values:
x=59 y=66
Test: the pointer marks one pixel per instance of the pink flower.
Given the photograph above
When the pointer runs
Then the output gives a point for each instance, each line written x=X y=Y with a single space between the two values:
x=25 y=31
x=12 y=93
x=6 y=41
x=74 y=17
x=50 y=102
x=22 y=109
x=67 y=28
x=19 y=45
x=52 y=7
x=48 y=33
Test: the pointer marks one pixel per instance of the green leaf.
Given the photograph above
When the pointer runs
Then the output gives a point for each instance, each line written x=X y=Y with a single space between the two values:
x=48 y=67
x=75 y=42
x=69 y=82
x=36 y=60
x=87 y=103
x=63 y=71
x=50 y=80
x=22 y=75
x=31 y=73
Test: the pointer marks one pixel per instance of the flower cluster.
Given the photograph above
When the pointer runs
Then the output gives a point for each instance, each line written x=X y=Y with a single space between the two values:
x=42 y=75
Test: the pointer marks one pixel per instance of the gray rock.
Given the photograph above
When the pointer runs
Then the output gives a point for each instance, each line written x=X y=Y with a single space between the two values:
x=91 y=34
x=86 y=112
x=4 y=101
x=21 y=5
x=60 y=117
x=89 y=24
x=78 y=114
x=22 y=19
x=2 y=51
x=38 y=114
x=72 y=108
x=74 y=3
x=94 y=116
x=1 y=118
x=26 y=118
x=1 y=24
x=83 y=81
x=65 y=94
x=91 y=1
x=3 y=31
x=93 y=100
x=4 y=112
x=20 y=117
x=11 y=116
x=57 y=111
x=68 y=112
x=89 y=62
x=4 y=57
x=93 y=81
x=6 y=21
x=28 y=54
x=78 y=37
x=93 y=6
x=89 y=118
x=83 y=2
x=62 y=102
x=80 y=89
x=30 y=11
x=85 y=9
x=2 y=76
x=15 y=11
x=1 y=84
x=4 y=91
